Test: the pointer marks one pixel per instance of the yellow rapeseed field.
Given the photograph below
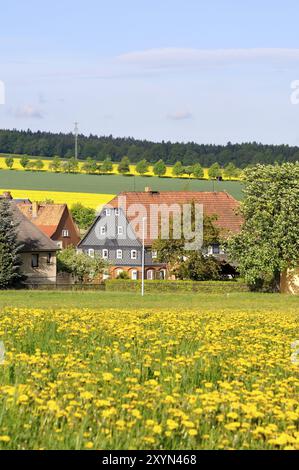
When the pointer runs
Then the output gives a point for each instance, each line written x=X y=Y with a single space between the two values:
x=148 y=379
x=17 y=166
x=94 y=201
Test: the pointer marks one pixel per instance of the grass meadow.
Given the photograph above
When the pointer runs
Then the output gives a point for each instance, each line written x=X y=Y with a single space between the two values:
x=106 y=370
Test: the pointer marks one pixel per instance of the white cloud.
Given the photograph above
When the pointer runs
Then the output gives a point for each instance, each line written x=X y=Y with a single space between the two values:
x=174 y=57
x=28 y=111
x=180 y=115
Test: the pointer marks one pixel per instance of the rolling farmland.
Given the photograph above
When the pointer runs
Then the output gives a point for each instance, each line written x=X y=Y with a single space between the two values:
x=108 y=184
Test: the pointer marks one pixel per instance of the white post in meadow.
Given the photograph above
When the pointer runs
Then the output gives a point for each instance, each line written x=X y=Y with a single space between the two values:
x=143 y=250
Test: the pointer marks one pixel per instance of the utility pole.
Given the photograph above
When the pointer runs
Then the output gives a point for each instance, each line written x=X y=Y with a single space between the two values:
x=76 y=131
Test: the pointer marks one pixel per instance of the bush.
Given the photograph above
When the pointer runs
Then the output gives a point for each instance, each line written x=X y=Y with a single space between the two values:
x=216 y=287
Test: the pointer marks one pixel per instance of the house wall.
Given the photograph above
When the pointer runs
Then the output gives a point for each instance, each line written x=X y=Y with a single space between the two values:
x=66 y=223
x=289 y=282
x=157 y=271
x=44 y=274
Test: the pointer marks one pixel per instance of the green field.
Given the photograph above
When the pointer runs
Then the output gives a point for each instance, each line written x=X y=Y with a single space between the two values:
x=109 y=184
x=234 y=301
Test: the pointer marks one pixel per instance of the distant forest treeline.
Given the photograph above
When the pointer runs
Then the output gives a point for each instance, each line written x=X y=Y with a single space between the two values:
x=48 y=144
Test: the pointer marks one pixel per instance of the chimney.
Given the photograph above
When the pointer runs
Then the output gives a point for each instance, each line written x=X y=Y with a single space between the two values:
x=7 y=195
x=147 y=189
x=34 y=209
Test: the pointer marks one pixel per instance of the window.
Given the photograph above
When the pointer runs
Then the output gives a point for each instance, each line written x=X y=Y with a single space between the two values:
x=59 y=244
x=108 y=212
x=65 y=233
x=91 y=252
x=49 y=258
x=120 y=230
x=210 y=250
x=216 y=249
x=105 y=254
x=133 y=254
x=162 y=274
x=119 y=254
x=34 y=261
x=154 y=254
x=134 y=275
x=103 y=230
x=150 y=275
x=116 y=211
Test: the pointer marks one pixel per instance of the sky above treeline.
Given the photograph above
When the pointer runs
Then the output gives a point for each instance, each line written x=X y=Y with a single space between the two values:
x=205 y=71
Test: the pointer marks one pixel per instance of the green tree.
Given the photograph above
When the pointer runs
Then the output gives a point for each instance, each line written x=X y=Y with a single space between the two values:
x=189 y=170
x=10 y=261
x=268 y=243
x=81 y=266
x=9 y=161
x=186 y=264
x=198 y=171
x=55 y=164
x=24 y=161
x=124 y=166
x=83 y=216
x=107 y=166
x=231 y=171
x=39 y=164
x=90 y=166
x=198 y=267
x=71 y=165
x=159 y=168
x=178 y=169
x=215 y=171
x=142 y=167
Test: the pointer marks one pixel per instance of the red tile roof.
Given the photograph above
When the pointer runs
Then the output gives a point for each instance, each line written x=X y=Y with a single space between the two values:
x=221 y=204
x=48 y=215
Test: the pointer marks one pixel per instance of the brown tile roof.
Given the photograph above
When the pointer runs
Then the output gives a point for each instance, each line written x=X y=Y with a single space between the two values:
x=221 y=204
x=29 y=235
x=48 y=216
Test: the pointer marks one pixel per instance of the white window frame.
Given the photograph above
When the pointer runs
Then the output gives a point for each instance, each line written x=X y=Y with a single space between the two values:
x=116 y=211
x=105 y=253
x=65 y=233
x=91 y=252
x=210 y=250
x=154 y=254
x=133 y=254
x=151 y=277
x=134 y=275
x=107 y=212
x=103 y=230
x=119 y=254
x=120 y=230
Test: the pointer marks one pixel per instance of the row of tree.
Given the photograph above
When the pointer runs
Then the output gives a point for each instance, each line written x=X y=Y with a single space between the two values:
x=142 y=167
x=46 y=144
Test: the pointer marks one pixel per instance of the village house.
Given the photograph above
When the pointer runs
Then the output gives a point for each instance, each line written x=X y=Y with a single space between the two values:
x=123 y=250
x=55 y=220
x=38 y=251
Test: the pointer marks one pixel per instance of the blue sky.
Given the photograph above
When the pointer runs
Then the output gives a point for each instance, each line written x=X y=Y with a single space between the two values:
x=205 y=71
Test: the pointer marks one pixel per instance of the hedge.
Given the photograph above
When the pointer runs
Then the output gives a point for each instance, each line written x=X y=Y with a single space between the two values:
x=217 y=287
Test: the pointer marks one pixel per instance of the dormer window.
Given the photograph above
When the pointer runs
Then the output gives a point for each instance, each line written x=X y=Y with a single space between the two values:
x=65 y=233
x=107 y=212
